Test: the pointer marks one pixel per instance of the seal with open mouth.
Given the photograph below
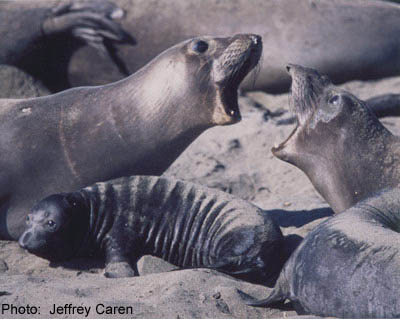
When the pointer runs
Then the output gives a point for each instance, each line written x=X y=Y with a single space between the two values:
x=139 y=125
x=338 y=142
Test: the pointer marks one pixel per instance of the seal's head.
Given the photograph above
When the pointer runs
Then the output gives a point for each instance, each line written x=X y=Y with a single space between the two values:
x=56 y=227
x=201 y=76
x=338 y=142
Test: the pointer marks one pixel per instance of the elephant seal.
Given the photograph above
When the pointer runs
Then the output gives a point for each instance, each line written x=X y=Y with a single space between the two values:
x=333 y=36
x=137 y=126
x=186 y=224
x=348 y=266
x=338 y=142
x=39 y=37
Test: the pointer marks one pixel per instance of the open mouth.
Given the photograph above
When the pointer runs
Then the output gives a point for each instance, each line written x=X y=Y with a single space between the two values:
x=239 y=66
x=296 y=93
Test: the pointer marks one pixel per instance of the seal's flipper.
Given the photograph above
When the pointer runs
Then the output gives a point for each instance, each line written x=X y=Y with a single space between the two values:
x=92 y=22
x=385 y=105
x=119 y=270
x=274 y=299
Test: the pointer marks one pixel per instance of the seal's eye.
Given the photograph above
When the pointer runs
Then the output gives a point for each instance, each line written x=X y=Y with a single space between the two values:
x=27 y=219
x=51 y=223
x=200 y=46
x=334 y=100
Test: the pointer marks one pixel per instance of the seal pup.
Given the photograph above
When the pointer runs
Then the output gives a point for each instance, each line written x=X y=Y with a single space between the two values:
x=333 y=36
x=338 y=142
x=348 y=266
x=39 y=37
x=137 y=126
x=186 y=224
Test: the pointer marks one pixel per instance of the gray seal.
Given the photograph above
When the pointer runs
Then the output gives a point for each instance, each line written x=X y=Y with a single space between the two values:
x=334 y=36
x=348 y=266
x=186 y=224
x=40 y=37
x=338 y=142
x=137 y=126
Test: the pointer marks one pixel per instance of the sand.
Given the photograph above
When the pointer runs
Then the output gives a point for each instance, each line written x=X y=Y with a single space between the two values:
x=236 y=159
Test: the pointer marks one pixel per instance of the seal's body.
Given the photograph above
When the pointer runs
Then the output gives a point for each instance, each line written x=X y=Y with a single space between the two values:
x=186 y=224
x=40 y=36
x=138 y=125
x=334 y=36
x=338 y=142
x=349 y=265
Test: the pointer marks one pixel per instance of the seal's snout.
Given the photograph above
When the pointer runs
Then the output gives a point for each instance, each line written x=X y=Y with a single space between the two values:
x=24 y=239
x=256 y=39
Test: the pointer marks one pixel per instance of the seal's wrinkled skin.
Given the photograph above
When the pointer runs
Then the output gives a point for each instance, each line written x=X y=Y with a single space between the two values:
x=139 y=125
x=41 y=36
x=186 y=224
x=338 y=142
x=348 y=266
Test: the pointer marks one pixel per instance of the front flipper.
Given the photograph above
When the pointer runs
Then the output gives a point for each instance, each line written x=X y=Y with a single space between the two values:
x=121 y=260
x=94 y=23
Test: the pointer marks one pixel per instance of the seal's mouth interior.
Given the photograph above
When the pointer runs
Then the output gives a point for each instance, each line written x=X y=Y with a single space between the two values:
x=238 y=59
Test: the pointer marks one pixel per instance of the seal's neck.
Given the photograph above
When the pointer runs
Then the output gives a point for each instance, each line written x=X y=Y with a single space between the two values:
x=367 y=166
x=156 y=117
x=98 y=224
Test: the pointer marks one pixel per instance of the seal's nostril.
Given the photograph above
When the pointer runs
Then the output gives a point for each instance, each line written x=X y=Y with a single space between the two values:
x=288 y=68
x=255 y=38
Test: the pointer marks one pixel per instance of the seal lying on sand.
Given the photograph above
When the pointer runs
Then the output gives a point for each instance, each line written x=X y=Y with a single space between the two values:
x=186 y=224
x=338 y=142
x=348 y=266
x=38 y=36
x=333 y=36
x=139 y=125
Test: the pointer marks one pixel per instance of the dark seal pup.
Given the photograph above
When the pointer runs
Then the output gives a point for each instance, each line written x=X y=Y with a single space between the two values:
x=41 y=36
x=338 y=142
x=333 y=36
x=186 y=224
x=137 y=126
x=348 y=266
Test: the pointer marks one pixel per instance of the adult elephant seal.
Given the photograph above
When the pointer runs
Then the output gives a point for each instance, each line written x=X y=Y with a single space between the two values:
x=186 y=224
x=348 y=266
x=333 y=36
x=40 y=36
x=338 y=142
x=139 y=125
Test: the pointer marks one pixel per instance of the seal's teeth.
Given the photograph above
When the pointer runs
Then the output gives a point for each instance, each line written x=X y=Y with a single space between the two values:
x=232 y=112
x=276 y=145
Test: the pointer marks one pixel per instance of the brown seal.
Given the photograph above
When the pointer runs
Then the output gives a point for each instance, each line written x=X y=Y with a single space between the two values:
x=338 y=142
x=139 y=125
